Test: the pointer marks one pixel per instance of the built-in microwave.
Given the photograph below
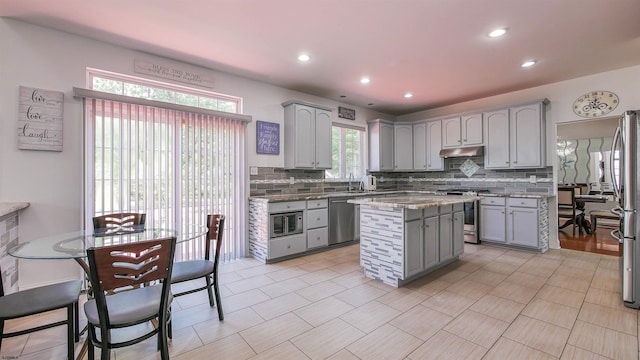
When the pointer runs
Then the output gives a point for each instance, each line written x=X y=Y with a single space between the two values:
x=286 y=224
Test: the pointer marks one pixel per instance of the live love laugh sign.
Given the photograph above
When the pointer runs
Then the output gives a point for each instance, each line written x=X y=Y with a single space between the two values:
x=40 y=119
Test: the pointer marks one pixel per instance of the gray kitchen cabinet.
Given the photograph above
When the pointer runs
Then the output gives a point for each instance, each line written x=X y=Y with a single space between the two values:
x=522 y=222
x=465 y=130
x=471 y=129
x=420 y=146
x=512 y=222
x=403 y=147
x=414 y=246
x=317 y=221
x=307 y=135
x=381 y=147
x=432 y=236
x=493 y=220
x=515 y=137
x=451 y=132
x=434 y=145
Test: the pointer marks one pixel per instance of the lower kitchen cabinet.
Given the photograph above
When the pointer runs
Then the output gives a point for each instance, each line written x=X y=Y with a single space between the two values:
x=432 y=236
x=515 y=222
x=287 y=245
x=317 y=223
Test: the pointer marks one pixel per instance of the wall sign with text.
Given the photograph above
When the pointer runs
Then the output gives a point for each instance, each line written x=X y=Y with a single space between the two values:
x=267 y=137
x=346 y=113
x=40 y=119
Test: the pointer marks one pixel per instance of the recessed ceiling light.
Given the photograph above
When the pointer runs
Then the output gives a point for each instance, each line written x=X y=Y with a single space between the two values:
x=408 y=95
x=304 y=58
x=527 y=64
x=497 y=32
x=365 y=80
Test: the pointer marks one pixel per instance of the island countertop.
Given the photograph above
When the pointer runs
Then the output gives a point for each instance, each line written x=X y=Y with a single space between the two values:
x=415 y=202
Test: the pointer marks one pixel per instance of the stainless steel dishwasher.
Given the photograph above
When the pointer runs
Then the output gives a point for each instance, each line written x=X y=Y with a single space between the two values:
x=342 y=221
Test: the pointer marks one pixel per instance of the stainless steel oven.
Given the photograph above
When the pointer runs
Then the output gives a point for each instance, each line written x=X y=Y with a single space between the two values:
x=286 y=224
x=470 y=213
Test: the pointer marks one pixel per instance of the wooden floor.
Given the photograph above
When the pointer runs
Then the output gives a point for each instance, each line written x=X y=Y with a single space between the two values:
x=599 y=242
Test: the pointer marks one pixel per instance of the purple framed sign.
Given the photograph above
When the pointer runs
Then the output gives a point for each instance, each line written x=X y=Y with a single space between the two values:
x=267 y=137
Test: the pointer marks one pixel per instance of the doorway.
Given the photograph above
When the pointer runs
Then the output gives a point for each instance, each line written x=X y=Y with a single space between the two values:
x=583 y=160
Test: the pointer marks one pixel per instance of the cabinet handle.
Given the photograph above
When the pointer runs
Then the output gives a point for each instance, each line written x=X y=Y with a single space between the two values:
x=515 y=162
x=288 y=246
x=318 y=219
x=502 y=213
x=506 y=162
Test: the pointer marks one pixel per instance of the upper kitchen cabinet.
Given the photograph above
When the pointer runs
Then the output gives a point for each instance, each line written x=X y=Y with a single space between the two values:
x=460 y=131
x=381 y=145
x=307 y=135
x=403 y=147
x=420 y=146
x=515 y=137
x=434 y=145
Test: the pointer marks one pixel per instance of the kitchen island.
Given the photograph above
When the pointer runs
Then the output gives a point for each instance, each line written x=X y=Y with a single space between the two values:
x=405 y=237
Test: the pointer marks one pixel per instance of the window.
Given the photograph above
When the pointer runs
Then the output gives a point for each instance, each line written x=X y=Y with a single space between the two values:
x=172 y=164
x=347 y=152
x=155 y=90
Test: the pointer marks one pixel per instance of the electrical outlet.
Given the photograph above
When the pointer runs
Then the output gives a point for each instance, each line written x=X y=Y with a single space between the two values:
x=253 y=170
x=292 y=180
x=532 y=179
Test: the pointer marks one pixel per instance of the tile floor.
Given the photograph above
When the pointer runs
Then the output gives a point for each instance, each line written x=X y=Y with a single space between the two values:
x=492 y=304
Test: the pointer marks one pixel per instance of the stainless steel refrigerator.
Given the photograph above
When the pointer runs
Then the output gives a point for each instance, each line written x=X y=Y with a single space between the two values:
x=626 y=183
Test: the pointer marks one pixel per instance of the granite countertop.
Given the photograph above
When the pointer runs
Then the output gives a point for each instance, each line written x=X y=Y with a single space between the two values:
x=520 y=195
x=415 y=202
x=9 y=207
x=315 y=196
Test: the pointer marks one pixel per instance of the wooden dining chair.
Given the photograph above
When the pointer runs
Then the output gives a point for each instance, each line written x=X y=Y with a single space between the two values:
x=40 y=300
x=205 y=268
x=117 y=274
x=118 y=221
x=568 y=209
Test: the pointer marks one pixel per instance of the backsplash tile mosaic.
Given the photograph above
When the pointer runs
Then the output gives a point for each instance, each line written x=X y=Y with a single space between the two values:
x=276 y=181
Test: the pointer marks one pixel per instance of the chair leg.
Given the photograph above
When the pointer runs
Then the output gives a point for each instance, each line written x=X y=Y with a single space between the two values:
x=105 y=341
x=1 y=331
x=71 y=331
x=76 y=319
x=162 y=338
x=90 y=337
x=208 y=280
x=218 y=302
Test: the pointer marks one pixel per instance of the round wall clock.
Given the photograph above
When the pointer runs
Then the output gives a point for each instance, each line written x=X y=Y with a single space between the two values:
x=595 y=103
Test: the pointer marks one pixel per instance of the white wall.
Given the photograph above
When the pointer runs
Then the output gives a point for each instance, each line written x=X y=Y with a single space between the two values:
x=37 y=57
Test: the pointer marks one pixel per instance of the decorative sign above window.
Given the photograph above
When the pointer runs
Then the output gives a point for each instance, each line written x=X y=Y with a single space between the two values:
x=170 y=72
x=40 y=119
x=267 y=137
x=346 y=113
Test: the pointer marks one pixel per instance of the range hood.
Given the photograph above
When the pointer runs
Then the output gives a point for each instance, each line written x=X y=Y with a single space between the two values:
x=462 y=152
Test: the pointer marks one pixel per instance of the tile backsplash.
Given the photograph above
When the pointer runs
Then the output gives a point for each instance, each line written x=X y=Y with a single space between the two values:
x=275 y=181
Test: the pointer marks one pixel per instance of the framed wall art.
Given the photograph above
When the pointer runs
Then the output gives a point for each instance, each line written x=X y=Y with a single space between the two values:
x=40 y=119
x=267 y=138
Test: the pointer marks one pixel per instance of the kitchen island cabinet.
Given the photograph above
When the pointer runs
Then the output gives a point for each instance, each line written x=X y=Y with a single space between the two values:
x=403 y=238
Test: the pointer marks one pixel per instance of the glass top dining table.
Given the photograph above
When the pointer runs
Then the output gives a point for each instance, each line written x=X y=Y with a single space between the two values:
x=74 y=245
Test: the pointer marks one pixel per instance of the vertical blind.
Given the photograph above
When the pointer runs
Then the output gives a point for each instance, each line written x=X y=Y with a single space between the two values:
x=175 y=166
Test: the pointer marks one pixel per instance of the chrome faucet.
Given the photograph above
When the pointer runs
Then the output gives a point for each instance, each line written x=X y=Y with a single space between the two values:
x=350 y=180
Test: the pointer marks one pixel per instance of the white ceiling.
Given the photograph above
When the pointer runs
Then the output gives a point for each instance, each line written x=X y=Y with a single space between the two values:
x=436 y=49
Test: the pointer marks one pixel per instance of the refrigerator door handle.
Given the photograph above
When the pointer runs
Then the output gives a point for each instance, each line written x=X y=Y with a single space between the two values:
x=618 y=211
x=616 y=190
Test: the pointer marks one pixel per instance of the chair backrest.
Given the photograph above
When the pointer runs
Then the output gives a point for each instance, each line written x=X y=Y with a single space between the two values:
x=118 y=220
x=124 y=266
x=567 y=196
x=215 y=229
